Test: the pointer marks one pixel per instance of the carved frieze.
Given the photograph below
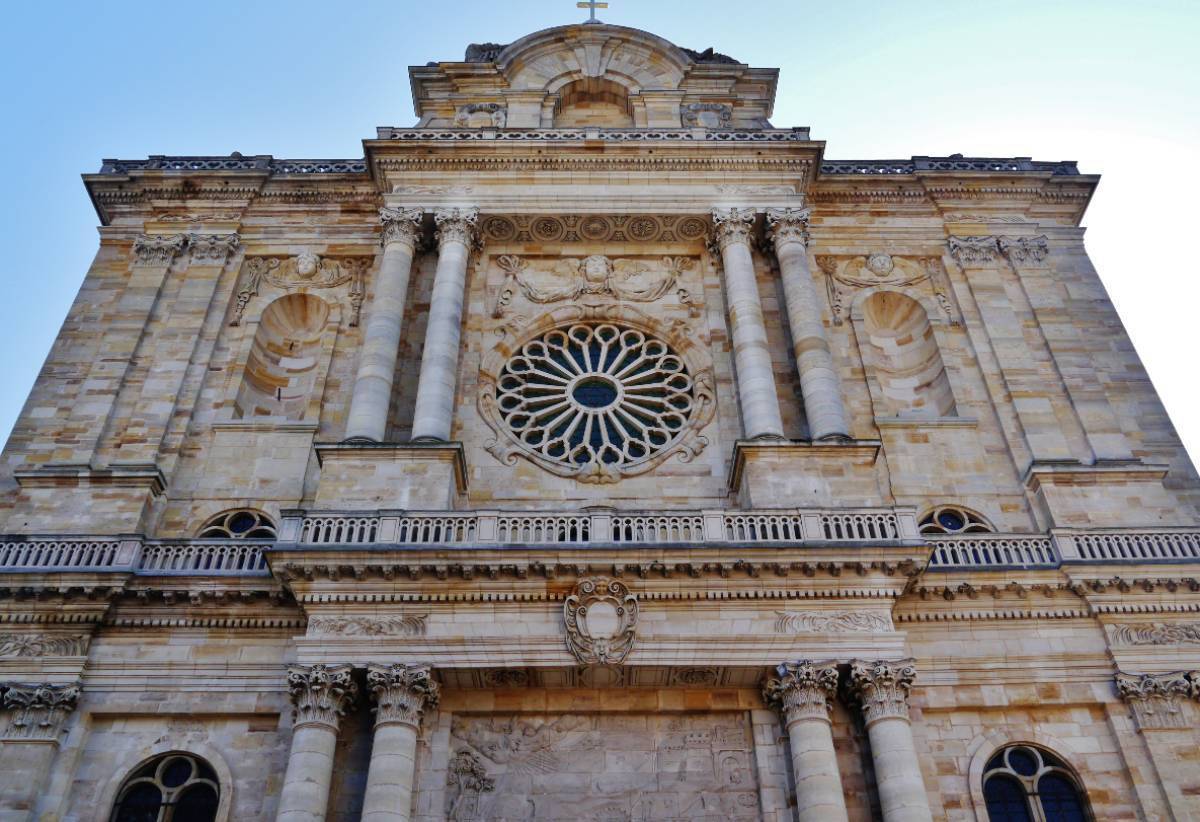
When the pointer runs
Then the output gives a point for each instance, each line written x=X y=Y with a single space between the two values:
x=594 y=228
x=802 y=690
x=568 y=278
x=402 y=693
x=42 y=645
x=845 y=275
x=304 y=271
x=38 y=711
x=1157 y=699
x=707 y=115
x=321 y=694
x=411 y=626
x=212 y=249
x=881 y=688
x=157 y=249
x=600 y=618
x=831 y=622
x=481 y=115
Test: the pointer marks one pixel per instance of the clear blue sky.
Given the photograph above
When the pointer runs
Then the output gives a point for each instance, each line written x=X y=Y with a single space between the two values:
x=1110 y=84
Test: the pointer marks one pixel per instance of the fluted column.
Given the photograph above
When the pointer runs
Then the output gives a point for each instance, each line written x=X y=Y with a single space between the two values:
x=401 y=694
x=321 y=694
x=881 y=689
x=381 y=338
x=802 y=693
x=439 y=360
x=756 y=382
x=36 y=714
x=819 y=383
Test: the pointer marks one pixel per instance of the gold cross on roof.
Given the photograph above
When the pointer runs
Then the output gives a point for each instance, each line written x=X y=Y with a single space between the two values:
x=593 y=5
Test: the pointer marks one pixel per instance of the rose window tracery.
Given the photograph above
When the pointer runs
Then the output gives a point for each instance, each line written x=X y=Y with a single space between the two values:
x=600 y=400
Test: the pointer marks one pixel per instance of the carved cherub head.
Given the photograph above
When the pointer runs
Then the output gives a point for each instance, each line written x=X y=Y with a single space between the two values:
x=307 y=265
x=595 y=271
x=881 y=265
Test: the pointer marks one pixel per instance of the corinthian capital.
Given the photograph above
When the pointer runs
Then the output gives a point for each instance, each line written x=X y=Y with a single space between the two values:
x=881 y=688
x=212 y=249
x=38 y=711
x=401 y=225
x=788 y=225
x=1024 y=250
x=401 y=693
x=973 y=251
x=1156 y=699
x=732 y=225
x=803 y=690
x=456 y=225
x=157 y=249
x=321 y=694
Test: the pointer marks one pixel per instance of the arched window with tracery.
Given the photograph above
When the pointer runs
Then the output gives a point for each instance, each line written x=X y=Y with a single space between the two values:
x=174 y=787
x=953 y=519
x=1022 y=783
x=240 y=523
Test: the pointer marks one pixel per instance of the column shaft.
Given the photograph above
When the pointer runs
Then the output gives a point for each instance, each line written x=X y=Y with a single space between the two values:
x=819 y=383
x=381 y=338
x=756 y=380
x=402 y=693
x=434 y=411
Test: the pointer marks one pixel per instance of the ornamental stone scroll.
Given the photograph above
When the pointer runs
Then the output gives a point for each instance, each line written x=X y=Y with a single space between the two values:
x=600 y=618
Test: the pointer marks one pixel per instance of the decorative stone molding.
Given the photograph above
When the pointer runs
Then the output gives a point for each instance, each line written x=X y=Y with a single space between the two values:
x=38 y=711
x=600 y=617
x=212 y=249
x=732 y=225
x=475 y=115
x=844 y=276
x=402 y=693
x=1157 y=633
x=401 y=225
x=157 y=249
x=973 y=251
x=321 y=694
x=803 y=690
x=788 y=225
x=368 y=626
x=832 y=622
x=707 y=115
x=881 y=688
x=457 y=225
x=593 y=228
x=304 y=271
x=1156 y=699
x=42 y=645
x=1024 y=250
x=597 y=275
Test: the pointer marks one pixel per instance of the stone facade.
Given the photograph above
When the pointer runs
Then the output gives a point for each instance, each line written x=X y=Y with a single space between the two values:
x=594 y=449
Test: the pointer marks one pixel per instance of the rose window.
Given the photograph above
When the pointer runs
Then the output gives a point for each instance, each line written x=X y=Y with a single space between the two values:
x=598 y=398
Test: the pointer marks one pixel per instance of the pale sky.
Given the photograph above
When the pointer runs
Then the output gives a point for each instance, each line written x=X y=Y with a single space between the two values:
x=1112 y=85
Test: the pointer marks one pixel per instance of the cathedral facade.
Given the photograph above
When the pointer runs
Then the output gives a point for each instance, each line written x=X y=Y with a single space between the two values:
x=594 y=449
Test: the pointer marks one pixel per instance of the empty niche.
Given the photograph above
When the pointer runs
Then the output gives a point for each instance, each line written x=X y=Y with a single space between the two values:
x=282 y=368
x=901 y=350
x=593 y=101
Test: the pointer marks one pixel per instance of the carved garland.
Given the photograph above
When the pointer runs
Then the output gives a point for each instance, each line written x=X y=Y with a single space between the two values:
x=575 y=228
x=306 y=270
x=844 y=275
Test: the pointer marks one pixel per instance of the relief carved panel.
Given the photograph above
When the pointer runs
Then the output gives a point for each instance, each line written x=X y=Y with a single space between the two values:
x=579 y=766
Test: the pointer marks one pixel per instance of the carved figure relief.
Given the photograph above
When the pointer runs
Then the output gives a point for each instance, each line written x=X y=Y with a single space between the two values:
x=602 y=766
x=845 y=275
x=481 y=115
x=570 y=278
x=307 y=270
x=600 y=618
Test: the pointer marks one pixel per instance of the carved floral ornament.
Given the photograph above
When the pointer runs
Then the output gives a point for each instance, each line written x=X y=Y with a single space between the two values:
x=1158 y=633
x=600 y=617
x=1157 y=699
x=881 y=688
x=30 y=645
x=597 y=393
x=607 y=228
x=846 y=275
x=321 y=694
x=983 y=251
x=38 y=711
x=305 y=271
x=402 y=693
x=803 y=690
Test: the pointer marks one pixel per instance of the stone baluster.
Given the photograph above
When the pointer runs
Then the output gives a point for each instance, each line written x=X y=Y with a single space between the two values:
x=402 y=693
x=802 y=693
x=35 y=718
x=381 y=338
x=321 y=694
x=881 y=689
x=434 y=411
x=752 y=357
x=819 y=383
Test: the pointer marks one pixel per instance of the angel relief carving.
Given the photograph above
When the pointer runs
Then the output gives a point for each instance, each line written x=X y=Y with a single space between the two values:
x=571 y=278
x=306 y=270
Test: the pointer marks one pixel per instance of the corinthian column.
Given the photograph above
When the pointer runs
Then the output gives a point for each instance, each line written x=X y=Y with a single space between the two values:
x=321 y=694
x=401 y=693
x=819 y=384
x=881 y=689
x=756 y=382
x=439 y=361
x=381 y=337
x=36 y=715
x=802 y=693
